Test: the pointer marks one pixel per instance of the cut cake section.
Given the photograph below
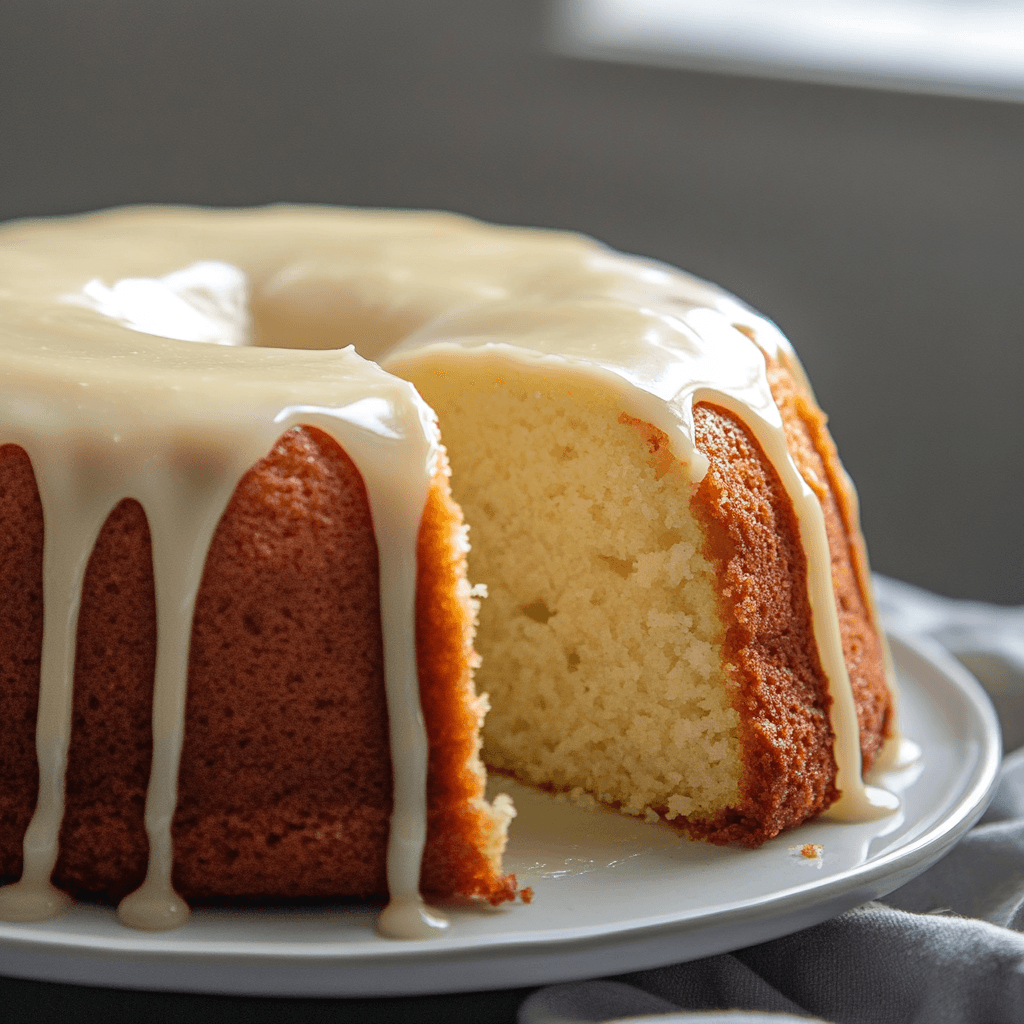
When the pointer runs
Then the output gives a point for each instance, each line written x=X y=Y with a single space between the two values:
x=647 y=637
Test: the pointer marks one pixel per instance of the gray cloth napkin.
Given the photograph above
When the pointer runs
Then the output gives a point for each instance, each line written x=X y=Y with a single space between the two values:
x=947 y=948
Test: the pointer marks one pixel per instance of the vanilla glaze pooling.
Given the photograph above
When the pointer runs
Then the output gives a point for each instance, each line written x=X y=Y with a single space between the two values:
x=101 y=319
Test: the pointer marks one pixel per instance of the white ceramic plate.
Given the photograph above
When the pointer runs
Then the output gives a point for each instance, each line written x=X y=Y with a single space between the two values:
x=611 y=894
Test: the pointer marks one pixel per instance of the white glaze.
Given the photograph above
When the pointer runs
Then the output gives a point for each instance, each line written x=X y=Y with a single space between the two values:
x=175 y=425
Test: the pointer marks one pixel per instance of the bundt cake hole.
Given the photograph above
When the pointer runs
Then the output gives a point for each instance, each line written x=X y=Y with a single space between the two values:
x=302 y=308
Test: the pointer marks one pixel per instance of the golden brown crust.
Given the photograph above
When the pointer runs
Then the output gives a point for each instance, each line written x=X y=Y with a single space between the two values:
x=284 y=790
x=781 y=689
x=458 y=834
x=103 y=845
x=815 y=455
x=21 y=627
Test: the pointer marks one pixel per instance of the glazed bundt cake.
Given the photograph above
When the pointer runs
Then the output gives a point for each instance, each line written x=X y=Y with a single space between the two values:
x=236 y=629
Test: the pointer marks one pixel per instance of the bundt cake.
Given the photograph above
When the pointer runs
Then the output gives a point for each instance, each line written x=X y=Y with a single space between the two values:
x=236 y=629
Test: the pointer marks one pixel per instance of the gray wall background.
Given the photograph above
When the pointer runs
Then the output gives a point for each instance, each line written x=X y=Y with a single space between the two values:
x=883 y=232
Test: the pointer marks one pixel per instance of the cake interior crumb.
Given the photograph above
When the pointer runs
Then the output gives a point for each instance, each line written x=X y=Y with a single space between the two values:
x=600 y=639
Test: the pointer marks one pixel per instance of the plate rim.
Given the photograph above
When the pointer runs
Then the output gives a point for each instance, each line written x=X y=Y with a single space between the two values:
x=174 y=968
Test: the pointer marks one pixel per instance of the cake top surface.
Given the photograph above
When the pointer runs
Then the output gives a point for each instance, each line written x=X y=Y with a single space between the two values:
x=265 y=283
